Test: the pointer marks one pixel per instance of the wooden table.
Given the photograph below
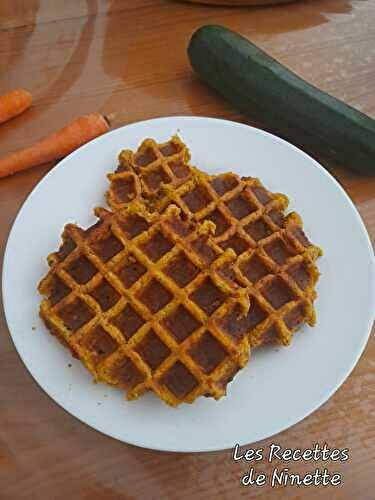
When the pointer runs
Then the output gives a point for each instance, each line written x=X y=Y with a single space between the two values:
x=78 y=56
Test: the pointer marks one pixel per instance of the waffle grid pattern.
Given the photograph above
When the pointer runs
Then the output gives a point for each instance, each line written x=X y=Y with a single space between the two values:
x=275 y=261
x=152 y=166
x=117 y=298
x=155 y=296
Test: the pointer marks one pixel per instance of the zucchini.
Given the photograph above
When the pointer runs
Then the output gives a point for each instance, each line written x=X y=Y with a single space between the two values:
x=284 y=103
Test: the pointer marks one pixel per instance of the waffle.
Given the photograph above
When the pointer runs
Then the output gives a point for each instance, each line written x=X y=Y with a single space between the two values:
x=142 y=174
x=143 y=302
x=275 y=260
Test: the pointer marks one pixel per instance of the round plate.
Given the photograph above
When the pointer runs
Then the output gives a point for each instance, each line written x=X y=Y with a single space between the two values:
x=281 y=385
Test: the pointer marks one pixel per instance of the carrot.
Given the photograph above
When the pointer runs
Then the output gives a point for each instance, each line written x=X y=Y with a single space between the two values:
x=14 y=103
x=56 y=145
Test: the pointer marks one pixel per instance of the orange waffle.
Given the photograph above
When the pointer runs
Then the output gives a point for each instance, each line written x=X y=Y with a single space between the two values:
x=144 y=172
x=143 y=302
x=275 y=260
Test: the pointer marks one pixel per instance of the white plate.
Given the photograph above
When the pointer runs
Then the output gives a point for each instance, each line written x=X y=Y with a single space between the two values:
x=280 y=386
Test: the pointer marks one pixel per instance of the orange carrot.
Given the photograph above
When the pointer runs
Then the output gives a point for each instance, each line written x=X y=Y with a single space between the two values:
x=56 y=145
x=14 y=103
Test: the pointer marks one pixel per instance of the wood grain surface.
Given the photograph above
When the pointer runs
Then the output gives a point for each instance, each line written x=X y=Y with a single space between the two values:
x=129 y=56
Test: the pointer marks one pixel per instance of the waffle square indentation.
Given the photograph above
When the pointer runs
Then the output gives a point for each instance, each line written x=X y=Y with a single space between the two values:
x=181 y=323
x=76 y=314
x=146 y=157
x=152 y=350
x=208 y=353
x=128 y=321
x=157 y=246
x=236 y=325
x=105 y=295
x=107 y=247
x=155 y=178
x=179 y=380
x=278 y=251
x=130 y=271
x=197 y=199
x=133 y=225
x=237 y=243
x=100 y=343
x=258 y=230
x=219 y=220
x=81 y=270
x=127 y=373
x=278 y=293
x=300 y=273
x=124 y=189
x=58 y=290
x=208 y=296
x=155 y=296
x=224 y=183
x=170 y=149
x=181 y=270
x=240 y=206
x=179 y=169
x=254 y=268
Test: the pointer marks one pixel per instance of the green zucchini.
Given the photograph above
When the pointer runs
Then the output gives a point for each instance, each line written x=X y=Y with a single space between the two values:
x=281 y=101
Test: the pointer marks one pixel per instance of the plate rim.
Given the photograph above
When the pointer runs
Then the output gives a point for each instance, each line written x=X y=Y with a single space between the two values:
x=314 y=164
